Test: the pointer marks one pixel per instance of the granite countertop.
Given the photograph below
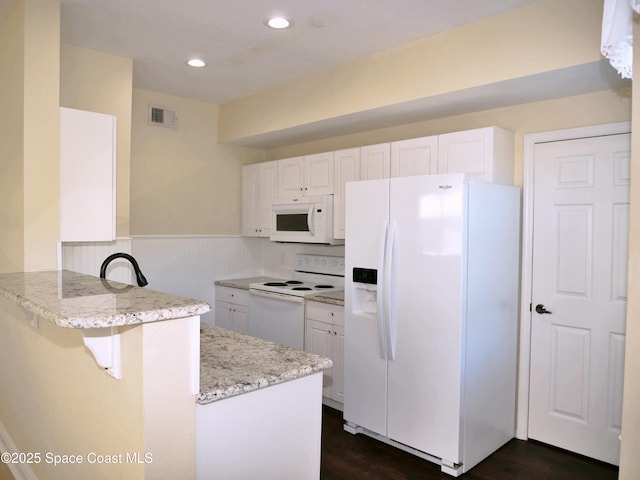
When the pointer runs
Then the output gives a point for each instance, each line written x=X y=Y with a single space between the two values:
x=75 y=300
x=335 y=297
x=232 y=363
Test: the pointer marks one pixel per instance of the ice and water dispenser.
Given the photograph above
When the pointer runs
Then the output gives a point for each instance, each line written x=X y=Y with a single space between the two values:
x=365 y=291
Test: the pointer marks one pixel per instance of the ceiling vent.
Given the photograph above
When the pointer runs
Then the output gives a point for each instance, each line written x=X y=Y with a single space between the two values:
x=163 y=116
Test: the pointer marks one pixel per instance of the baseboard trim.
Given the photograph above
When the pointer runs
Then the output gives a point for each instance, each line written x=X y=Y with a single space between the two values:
x=20 y=471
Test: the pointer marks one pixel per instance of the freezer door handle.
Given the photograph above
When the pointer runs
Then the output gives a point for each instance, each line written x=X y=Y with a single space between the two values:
x=382 y=336
x=389 y=291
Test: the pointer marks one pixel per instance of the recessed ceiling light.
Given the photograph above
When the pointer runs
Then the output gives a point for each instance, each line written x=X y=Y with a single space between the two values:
x=278 y=23
x=196 y=62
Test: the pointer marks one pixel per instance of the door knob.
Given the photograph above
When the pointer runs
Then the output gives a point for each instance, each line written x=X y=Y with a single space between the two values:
x=540 y=309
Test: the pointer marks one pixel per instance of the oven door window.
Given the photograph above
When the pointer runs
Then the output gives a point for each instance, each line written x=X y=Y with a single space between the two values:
x=292 y=222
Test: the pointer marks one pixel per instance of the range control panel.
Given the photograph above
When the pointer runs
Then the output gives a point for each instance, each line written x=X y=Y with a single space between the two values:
x=327 y=264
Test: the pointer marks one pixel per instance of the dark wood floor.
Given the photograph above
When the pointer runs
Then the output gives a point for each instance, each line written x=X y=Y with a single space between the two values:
x=352 y=457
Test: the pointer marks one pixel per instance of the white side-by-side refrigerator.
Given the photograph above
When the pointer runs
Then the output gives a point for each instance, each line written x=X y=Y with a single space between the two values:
x=431 y=300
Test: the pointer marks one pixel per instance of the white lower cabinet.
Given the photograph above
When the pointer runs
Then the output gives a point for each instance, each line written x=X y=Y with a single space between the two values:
x=232 y=309
x=324 y=335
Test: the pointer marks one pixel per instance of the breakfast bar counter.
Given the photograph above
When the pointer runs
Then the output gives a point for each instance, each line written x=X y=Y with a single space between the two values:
x=93 y=368
x=74 y=300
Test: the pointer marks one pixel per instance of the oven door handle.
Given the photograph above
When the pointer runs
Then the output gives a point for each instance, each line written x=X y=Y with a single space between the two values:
x=277 y=296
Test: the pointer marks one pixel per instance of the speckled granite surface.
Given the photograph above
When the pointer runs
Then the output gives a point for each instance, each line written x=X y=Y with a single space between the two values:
x=334 y=298
x=74 y=300
x=243 y=283
x=232 y=363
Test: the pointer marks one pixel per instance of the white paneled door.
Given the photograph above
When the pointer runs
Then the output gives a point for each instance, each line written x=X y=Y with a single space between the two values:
x=581 y=218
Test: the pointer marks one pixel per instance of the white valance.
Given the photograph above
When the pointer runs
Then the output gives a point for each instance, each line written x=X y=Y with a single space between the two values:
x=617 y=34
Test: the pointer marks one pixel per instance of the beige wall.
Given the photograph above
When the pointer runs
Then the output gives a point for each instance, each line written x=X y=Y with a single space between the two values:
x=30 y=65
x=544 y=36
x=62 y=402
x=12 y=145
x=103 y=83
x=629 y=458
x=182 y=181
x=569 y=112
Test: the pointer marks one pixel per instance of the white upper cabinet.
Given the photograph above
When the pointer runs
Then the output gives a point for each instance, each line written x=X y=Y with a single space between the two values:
x=346 y=168
x=87 y=176
x=375 y=161
x=259 y=188
x=308 y=175
x=482 y=154
x=418 y=156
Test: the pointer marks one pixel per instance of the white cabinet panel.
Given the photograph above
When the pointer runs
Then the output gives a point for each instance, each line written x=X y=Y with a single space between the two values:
x=318 y=171
x=291 y=177
x=259 y=188
x=325 y=336
x=482 y=154
x=308 y=175
x=417 y=156
x=87 y=176
x=346 y=168
x=375 y=162
x=232 y=309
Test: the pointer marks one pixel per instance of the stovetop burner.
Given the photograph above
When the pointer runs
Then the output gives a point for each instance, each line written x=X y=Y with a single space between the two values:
x=313 y=274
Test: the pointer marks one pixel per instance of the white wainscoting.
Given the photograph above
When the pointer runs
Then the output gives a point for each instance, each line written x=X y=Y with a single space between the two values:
x=87 y=257
x=189 y=265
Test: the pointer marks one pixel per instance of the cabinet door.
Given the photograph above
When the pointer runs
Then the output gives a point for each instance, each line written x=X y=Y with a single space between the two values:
x=268 y=191
x=418 y=156
x=482 y=154
x=87 y=176
x=318 y=174
x=291 y=177
x=467 y=152
x=224 y=315
x=240 y=319
x=375 y=162
x=346 y=168
x=251 y=192
x=319 y=340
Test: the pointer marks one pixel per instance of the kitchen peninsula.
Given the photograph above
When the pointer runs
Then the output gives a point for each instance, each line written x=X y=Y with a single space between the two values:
x=102 y=379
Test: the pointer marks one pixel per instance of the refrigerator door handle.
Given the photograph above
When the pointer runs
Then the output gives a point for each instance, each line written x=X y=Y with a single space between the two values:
x=390 y=291
x=382 y=335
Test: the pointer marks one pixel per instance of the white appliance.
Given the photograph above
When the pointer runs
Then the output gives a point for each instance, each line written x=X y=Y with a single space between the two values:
x=276 y=308
x=431 y=291
x=303 y=220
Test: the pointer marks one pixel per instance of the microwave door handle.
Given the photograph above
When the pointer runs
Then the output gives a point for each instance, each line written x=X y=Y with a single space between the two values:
x=310 y=219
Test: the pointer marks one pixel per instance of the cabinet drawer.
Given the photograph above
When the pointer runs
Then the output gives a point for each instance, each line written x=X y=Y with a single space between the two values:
x=325 y=312
x=238 y=296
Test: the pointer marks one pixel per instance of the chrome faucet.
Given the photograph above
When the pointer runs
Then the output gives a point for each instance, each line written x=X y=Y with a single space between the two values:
x=139 y=276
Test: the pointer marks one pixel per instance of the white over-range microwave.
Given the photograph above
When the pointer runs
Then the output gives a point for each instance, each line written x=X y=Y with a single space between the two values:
x=303 y=220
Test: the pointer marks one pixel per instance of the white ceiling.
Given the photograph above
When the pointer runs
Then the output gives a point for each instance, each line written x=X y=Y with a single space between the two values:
x=243 y=56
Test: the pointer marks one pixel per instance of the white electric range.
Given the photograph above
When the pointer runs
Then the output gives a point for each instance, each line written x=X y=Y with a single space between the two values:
x=276 y=308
